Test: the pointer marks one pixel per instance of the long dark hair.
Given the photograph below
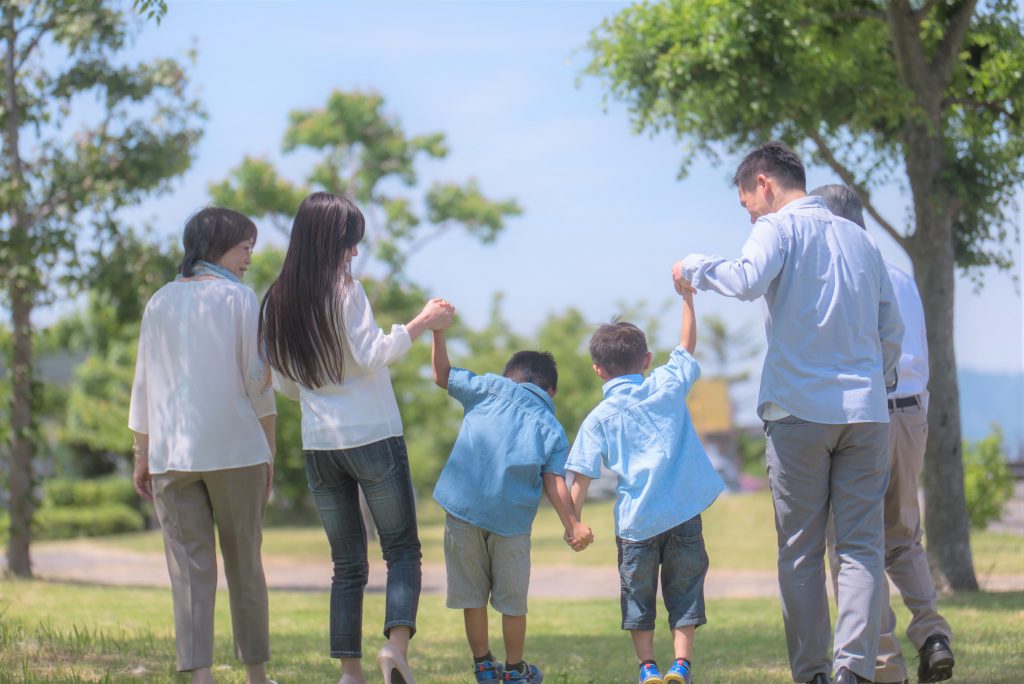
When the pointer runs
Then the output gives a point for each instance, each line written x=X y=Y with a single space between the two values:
x=300 y=329
x=210 y=233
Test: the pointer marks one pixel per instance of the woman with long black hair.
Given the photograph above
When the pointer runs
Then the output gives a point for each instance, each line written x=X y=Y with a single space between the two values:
x=319 y=336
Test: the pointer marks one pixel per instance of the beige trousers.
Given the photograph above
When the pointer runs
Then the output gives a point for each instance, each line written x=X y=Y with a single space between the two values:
x=906 y=561
x=188 y=505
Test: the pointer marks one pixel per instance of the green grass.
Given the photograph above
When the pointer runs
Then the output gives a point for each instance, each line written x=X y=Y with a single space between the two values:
x=739 y=531
x=65 y=633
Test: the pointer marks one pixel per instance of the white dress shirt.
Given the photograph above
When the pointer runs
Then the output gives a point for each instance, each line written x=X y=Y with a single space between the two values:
x=832 y=321
x=362 y=408
x=200 y=387
x=913 y=367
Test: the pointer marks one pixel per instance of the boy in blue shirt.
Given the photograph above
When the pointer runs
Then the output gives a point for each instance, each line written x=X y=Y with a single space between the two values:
x=642 y=432
x=509 y=447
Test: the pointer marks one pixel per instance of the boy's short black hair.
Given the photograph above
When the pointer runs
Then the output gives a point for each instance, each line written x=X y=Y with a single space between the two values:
x=533 y=366
x=775 y=160
x=619 y=348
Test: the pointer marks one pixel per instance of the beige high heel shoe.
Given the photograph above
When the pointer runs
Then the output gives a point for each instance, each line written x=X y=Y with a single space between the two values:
x=393 y=666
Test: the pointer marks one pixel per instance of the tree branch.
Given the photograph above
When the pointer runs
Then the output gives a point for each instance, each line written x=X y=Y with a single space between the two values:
x=949 y=49
x=849 y=179
x=26 y=52
x=920 y=14
x=998 y=107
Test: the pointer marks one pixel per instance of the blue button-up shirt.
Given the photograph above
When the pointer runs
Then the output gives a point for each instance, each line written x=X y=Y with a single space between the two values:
x=832 y=320
x=642 y=432
x=509 y=437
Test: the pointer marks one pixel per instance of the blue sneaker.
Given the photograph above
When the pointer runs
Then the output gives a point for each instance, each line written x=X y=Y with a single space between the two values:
x=680 y=673
x=533 y=675
x=488 y=671
x=649 y=673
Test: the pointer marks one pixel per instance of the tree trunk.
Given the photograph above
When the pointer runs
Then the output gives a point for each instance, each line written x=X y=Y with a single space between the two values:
x=20 y=471
x=20 y=289
x=949 y=547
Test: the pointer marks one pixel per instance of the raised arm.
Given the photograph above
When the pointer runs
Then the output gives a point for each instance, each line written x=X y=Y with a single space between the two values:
x=688 y=332
x=577 y=535
x=439 y=359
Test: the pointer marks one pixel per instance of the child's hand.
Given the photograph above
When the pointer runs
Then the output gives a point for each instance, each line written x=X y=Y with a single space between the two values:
x=682 y=285
x=439 y=314
x=579 y=537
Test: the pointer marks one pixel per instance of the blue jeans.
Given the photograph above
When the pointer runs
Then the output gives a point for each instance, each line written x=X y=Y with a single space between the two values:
x=381 y=469
x=679 y=554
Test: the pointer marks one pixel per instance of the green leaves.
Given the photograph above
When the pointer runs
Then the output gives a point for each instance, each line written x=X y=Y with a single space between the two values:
x=365 y=153
x=732 y=74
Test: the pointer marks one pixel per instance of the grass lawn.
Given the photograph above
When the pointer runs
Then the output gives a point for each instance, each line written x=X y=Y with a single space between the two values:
x=739 y=531
x=64 y=633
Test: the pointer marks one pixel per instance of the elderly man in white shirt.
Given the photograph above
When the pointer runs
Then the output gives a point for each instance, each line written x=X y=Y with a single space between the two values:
x=905 y=559
x=833 y=343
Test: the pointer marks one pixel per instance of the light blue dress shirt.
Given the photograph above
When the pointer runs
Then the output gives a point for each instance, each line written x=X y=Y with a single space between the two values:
x=509 y=437
x=642 y=432
x=832 y=320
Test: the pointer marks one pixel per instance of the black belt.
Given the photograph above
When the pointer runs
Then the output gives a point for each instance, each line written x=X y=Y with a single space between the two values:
x=904 y=402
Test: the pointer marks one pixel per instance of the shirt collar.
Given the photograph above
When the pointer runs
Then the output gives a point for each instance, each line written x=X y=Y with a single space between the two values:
x=805 y=202
x=613 y=384
x=542 y=394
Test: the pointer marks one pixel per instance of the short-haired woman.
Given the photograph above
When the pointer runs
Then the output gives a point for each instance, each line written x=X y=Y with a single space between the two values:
x=318 y=331
x=202 y=414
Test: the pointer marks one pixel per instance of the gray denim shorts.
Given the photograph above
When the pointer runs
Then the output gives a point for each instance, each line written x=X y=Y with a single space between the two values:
x=482 y=565
x=680 y=557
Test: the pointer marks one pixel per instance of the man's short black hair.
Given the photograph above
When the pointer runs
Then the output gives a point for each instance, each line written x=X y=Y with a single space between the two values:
x=774 y=160
x=619 y=348
x=533 y=366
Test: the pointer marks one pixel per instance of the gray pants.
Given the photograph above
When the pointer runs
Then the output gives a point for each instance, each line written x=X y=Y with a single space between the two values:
x=811 y=468
x=187 y=505
x=905 y=559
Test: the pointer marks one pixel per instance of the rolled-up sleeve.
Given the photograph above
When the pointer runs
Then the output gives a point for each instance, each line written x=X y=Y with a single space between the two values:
x=255 y=373
x=138 y=409
x=681 y=366
x=746 y=278
x=466 y=386
x=371 y=348
x=587 y=451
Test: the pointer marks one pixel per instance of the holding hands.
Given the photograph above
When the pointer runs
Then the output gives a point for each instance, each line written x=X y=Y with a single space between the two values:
x=681 y=282
x=438 y=314
x=579 y=536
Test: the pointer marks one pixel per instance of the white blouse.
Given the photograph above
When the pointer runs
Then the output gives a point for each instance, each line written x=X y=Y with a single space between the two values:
x=200 y=387
x=362 y=408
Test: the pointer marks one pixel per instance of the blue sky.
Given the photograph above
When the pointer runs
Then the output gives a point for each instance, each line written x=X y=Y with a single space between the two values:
x=605 y=215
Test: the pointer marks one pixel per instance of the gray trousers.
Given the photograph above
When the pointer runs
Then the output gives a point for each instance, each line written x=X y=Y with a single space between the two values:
x=905 y=559
x=813 y=467
x=188 y=505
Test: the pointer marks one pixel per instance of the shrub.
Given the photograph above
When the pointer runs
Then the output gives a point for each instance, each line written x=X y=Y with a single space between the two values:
x=87 y=521
x=99 y=491
x=988 y=482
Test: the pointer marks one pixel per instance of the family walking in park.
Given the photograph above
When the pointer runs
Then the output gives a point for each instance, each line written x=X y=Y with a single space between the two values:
x=843 y=400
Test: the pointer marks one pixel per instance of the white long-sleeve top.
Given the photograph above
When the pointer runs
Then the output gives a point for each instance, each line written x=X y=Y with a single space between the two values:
x=362 y=408
x=913 y=367
x=200 y=387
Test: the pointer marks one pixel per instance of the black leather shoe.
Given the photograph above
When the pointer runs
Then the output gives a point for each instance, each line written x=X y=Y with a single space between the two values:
x=845 y=676
x=820 y=678
x=936 y=660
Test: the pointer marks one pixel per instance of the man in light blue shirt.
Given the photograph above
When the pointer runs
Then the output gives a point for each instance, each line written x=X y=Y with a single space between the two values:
x=834 y=332
x=642 y=432
x=906 y=562
x=510 y=446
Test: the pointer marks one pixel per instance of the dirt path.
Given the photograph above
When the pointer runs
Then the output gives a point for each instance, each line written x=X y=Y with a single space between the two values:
x=87 y=563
